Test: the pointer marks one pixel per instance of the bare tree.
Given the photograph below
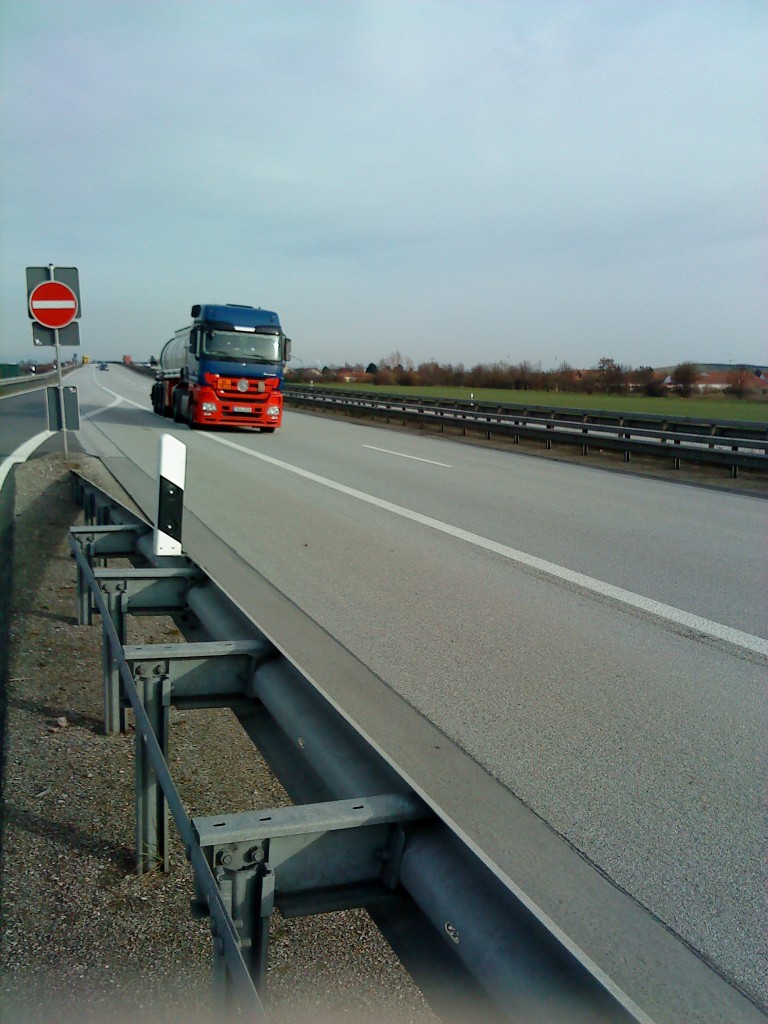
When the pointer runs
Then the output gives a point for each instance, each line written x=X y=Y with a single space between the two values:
x=610 y=377
x=684 y=377
x=741 y=382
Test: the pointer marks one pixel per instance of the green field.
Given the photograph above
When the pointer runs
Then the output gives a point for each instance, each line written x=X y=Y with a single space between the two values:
x=710 y=407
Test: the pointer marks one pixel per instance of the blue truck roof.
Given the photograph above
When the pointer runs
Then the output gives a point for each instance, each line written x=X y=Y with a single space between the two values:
x=239 y=316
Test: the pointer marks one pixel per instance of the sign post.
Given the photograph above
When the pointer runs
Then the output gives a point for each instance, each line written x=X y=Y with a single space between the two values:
x=53 y=296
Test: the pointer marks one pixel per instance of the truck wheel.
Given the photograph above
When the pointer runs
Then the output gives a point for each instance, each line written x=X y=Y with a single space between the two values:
x=177 y=418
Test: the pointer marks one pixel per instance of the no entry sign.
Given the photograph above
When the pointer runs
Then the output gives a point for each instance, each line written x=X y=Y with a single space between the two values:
x=53 y=304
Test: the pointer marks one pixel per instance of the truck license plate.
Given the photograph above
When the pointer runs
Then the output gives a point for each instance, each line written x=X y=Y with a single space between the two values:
x=241 y=408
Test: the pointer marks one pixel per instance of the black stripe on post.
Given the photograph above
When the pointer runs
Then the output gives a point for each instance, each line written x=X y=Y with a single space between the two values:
x=170 y=508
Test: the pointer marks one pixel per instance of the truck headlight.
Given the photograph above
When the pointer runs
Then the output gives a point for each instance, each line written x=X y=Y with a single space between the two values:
x=210 y=407
x=273 y=411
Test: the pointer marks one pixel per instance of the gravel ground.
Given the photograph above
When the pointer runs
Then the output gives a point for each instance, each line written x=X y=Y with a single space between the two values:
x=83 y=937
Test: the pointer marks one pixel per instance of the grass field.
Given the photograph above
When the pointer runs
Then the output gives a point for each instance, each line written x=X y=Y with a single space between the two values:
x=710 y=407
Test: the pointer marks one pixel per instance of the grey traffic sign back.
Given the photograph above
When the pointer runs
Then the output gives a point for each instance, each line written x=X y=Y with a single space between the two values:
x=71 y=409
x=69 y=335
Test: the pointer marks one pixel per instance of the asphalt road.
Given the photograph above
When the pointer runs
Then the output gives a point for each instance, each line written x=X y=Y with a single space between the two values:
x=21 y=417
x=596 y=642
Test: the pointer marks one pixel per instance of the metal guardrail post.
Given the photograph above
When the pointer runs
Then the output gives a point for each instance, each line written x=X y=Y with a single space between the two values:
x=152 y=836
x=114 y=709
x=84 y=598
x=97 y=508
x=203 y=675
x=314 y=858
x=219 y=980
x=247 y=891
x=96 y=543
x=148 y=590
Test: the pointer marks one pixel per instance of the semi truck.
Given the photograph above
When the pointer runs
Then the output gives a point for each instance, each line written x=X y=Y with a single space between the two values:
x=224 y=369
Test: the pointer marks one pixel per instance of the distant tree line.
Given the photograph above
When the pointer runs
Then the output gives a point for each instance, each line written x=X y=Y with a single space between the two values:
x=607 y=377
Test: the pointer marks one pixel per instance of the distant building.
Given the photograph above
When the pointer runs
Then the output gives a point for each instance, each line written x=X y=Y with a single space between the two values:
x=348 y=375
x=753 y=379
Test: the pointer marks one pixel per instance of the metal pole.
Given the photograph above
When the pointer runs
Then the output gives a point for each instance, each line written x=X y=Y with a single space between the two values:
x=152 y=845
x=51 y=269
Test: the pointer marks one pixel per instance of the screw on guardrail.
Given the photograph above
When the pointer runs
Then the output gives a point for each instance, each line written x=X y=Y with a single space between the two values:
x=172 y=461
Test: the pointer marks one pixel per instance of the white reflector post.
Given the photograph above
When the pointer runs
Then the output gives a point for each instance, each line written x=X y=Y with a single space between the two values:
x=171 y=470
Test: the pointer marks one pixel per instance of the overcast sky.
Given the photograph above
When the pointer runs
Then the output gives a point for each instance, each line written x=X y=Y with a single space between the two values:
x=550 y=180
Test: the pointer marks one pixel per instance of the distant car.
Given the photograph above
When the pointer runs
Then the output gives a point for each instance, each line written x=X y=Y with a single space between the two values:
x=103 y=366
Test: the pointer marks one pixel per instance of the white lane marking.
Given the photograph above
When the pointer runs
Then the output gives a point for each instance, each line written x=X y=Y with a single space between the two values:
x=717 y=630
x=400 y=455
x=104 y=408
x=120 y=398
x=22 y=453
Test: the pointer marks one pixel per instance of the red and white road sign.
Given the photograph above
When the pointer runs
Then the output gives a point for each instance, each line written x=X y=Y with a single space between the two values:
x=53 y=304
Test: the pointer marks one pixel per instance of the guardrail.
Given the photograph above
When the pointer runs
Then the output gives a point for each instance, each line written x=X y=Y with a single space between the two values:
x=360 y=835
x=730 y=443
x=143 y=368
x=9 y=385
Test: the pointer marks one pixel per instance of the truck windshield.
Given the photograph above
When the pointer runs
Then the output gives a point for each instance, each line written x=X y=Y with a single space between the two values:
x=242 y=346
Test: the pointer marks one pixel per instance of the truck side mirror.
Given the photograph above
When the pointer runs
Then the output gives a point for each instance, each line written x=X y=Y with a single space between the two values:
x=287 y=349
x=193 y=342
